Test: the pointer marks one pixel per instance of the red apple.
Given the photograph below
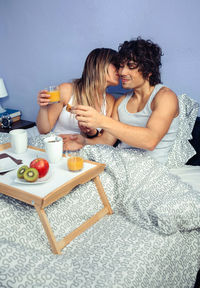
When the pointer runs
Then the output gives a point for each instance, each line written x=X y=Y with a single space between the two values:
x=41 y=165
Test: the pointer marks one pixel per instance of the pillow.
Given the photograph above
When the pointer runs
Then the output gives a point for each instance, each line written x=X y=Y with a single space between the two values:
x=182 y=150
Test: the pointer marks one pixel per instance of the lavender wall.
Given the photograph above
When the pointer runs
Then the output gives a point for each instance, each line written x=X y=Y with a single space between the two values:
x=45 y=42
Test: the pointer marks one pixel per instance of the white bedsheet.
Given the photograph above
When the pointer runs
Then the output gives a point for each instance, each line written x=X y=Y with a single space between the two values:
x=189 y=174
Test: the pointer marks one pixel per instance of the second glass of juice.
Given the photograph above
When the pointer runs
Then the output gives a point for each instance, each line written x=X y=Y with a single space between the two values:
x=75 y=161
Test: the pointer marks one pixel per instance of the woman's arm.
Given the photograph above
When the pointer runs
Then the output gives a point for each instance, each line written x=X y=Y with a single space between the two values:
x=49 y=113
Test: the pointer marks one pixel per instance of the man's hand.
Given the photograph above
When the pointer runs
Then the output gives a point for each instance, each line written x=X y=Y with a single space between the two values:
x=87 y=131
x=72 y=142
x=87 y=116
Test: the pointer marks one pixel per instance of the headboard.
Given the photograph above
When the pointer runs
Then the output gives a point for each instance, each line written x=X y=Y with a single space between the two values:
x=195 y=160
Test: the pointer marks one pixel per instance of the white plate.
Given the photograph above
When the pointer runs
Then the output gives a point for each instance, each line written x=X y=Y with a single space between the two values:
x=42 y=180
x=7 y=164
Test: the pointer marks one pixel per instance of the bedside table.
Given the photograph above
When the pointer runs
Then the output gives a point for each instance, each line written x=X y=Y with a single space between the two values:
x=21 y=124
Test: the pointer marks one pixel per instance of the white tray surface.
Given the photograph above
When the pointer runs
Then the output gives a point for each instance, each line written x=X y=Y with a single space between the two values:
x=60 y=173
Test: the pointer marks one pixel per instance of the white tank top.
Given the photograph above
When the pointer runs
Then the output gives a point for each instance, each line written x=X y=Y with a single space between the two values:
x=160 y=153
x=67 y=123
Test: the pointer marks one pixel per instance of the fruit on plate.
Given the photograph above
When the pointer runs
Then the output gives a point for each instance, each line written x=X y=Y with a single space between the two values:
x=21 y=170
x=31 y=175
x=42 y=165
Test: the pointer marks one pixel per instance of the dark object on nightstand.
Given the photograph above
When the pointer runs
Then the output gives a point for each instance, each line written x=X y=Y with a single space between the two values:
x=6 y=121
x=21 y=124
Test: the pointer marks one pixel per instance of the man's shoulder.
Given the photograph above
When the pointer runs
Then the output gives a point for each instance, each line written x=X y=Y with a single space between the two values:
x=165 y=94
x=166 y=98
x=166 y=91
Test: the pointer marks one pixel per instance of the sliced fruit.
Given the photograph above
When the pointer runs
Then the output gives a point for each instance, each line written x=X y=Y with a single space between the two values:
x=31 y=175
x=21 y=170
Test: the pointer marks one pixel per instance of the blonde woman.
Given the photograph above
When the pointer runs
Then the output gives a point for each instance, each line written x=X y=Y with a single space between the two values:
x=99 y=72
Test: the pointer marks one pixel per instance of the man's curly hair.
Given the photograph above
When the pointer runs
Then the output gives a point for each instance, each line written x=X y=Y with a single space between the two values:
x=146 y=56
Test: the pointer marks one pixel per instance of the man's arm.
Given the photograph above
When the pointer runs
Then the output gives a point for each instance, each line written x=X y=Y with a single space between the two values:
x=106 y=137
x=164 y=109
x=77 y=141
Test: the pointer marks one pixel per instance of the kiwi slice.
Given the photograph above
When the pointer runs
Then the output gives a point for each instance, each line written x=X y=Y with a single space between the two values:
x=31 y=175
x=21 y=170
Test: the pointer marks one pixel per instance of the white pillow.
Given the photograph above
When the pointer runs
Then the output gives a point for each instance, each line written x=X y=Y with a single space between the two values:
x=182 y=150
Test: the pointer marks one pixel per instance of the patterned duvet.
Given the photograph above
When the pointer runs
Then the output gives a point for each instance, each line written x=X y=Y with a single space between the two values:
x=151 y=240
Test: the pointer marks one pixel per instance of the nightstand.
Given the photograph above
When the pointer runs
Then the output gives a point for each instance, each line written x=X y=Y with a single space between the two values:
x=21 y=124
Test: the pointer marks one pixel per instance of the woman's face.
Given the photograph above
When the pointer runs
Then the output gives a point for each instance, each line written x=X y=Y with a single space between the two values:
x=112 y=77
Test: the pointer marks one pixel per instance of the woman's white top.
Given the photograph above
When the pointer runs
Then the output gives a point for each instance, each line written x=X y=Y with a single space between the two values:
x=67 y=123
x=140 y=119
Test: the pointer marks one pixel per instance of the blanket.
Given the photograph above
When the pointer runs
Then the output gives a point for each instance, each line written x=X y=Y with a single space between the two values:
x=151 y=240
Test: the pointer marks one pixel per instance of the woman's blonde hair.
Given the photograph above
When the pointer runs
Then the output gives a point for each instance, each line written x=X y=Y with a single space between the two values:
x=93 y=80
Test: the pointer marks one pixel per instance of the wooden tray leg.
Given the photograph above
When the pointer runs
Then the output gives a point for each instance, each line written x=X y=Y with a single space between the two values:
x=102 y=194
x=48 y=230
x=57 y=246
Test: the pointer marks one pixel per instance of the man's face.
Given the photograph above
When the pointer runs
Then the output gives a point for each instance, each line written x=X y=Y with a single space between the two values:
x=130 y=75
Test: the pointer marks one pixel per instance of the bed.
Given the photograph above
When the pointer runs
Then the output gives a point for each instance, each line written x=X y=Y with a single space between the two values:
x=149 y=241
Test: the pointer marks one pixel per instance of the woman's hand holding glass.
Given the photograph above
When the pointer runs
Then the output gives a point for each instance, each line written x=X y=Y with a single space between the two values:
x=48 y=96
x=43 y=98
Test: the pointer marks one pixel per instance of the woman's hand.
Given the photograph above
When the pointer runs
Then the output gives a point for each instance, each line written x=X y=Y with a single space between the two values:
x=87 y=116
x=72 y=142
x=43 y=98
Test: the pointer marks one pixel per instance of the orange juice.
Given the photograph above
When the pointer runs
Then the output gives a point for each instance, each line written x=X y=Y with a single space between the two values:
x=75 y=163
x=54 y=96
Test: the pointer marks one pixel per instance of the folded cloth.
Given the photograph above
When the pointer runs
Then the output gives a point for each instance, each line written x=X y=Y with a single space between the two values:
x=5 y=155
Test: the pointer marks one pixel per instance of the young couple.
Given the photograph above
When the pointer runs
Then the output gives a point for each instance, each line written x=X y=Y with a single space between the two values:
x=146 y=118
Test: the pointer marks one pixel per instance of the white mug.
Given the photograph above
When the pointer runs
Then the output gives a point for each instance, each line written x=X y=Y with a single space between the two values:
x=19 y=140
x=54 y=148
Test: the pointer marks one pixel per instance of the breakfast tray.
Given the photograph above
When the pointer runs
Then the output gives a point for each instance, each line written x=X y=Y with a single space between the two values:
x=42 y=195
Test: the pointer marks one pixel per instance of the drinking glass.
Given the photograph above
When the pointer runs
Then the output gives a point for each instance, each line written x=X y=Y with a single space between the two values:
x=54 y=93
x=74 y=161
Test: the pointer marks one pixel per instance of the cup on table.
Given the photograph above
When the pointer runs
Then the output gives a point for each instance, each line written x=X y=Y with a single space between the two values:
x=19 y=140
x=74 y=161
x=54 y=93
x=53 y=148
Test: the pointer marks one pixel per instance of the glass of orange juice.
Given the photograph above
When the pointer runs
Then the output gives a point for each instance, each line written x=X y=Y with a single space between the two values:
x=54 y=93
x=75 y=161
